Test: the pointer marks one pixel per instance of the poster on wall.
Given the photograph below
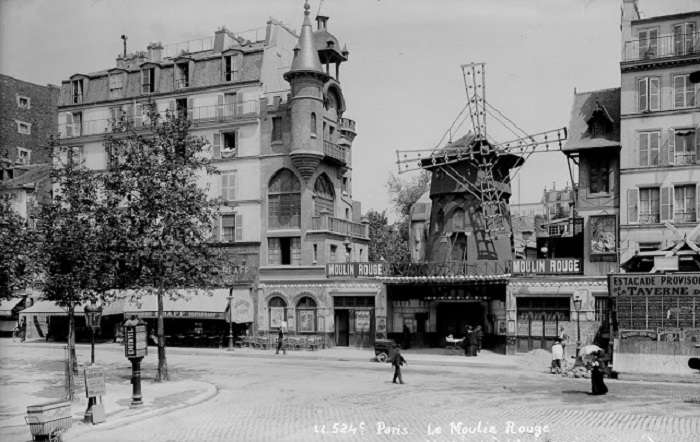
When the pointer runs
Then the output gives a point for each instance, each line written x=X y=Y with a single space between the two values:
x=306 y=320
x=276 y=317
x=381 y=325
x=603 y=234
x=362 y=321
x=501 y=327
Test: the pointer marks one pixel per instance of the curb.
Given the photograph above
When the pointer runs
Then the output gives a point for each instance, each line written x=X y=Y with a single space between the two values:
x=115 y=421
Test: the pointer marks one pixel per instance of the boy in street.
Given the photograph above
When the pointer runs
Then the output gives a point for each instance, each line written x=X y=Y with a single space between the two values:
x=397 y=362
x=557 y=356
x=280 y=342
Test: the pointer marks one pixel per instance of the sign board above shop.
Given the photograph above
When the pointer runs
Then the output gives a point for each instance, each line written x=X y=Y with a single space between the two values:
x=357 y=270
x=672 y=284
x=558 y=266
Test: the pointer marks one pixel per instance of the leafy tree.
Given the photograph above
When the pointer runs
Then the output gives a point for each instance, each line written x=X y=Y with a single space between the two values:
x=164 y=247
x=19 y=256
x=405 y=192
x=386 y=242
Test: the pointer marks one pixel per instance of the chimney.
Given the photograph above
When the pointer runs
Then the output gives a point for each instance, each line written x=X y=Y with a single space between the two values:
x=121 y=61
x=155 y=52
x=554 y=185
x=219 y=39
x=630 y=12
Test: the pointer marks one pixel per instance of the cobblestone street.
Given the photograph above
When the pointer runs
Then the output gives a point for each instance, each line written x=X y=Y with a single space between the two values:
x=288 y=399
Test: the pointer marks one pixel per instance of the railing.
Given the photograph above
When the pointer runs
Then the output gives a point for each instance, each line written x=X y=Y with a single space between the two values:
x=181 y=83
x=334 y=151
x=684 y=217
x=460 y=268
x=338 y=225
x=652 y=218
x=200 y=44
x=199 y=114
x=663 y=46
x=347 y=124
x=686 y=158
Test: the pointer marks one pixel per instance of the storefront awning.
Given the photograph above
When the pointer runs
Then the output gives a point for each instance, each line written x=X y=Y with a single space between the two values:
x=49 y=308
x=8 y=305
x=199 y=305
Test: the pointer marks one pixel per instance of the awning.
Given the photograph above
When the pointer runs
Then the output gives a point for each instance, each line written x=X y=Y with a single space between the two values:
x=6 y=306
x=115 y=307
x=49 y=308
x=194 y=306
x=242 y=306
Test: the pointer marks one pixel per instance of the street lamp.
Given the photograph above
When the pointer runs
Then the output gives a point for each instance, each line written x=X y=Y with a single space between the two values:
x=230 y=321
x=93 y=315
x=577 y=306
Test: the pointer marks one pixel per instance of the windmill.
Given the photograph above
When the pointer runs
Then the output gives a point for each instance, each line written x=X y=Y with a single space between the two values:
x=684 y=239
x=471 y=178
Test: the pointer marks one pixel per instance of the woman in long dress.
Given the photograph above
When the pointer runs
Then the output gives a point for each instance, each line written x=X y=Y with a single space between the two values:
x=597 y=384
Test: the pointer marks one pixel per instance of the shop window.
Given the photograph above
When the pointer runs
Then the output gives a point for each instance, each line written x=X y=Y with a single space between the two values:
x=549 y=307
x=278 y=312
x=284 y=201
x=601 y=309
x=306 y=315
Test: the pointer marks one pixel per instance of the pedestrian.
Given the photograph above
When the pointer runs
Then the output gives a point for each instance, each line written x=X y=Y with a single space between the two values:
x=280 y=342
x=564 y=341
x=557 y=356
x=406 y=336
x=397 y=362
x=465 y=342
x=479 y=337
x=473 y=342
x=598 y=387
x=23 y=329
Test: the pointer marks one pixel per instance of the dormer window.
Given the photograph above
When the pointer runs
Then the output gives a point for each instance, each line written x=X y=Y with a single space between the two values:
x=232 y=67
x=148 y=81
x=182 y=75
x=77 y=91
x=600 y=123
x=116 y=85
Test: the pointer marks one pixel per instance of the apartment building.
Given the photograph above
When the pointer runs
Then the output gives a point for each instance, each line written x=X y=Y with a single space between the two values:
x=660 y=161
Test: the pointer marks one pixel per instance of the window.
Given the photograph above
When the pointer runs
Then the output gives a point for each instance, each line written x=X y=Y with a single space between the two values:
x=228 y=186
x=284 y=201
x=24 y=128
x=116 y=85
x=324 y=196
x=683 y=36
x=557 y=229
x=24 y=156
x=231 y=228
x=682 y=147
x=648 y=43
x=599 y=175
x=683 y=91
x=315 y=253
x=306 y=315
x=24 y=102
x=334 y=253
x=77 y=92
x=347 y=214
x=684 y=204
x=648 y=92
x=229 y=105
x=601 y=309
x=331 y=134
x=540 y=308
x=148 y=81
x=649 y=246
x=76 y=153
x=278 y=312
x=232 y=67
x=284 y=251
x=313 y=125
x=649 y=205
x=182 y=75
x=649 y=148
x=228 y=150
x=276 y=129
x=345 y=185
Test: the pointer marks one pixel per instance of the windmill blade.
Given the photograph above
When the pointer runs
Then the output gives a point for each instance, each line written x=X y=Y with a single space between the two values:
x=522 y=145
x=673 y=229
x=692 y=245
x=694 y=232
x=674 y=250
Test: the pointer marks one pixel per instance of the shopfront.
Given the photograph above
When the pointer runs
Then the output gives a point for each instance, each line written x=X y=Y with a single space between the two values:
x=9 y=315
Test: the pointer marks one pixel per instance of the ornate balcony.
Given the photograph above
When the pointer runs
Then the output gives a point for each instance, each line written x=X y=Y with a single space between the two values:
x=334 y=152
x=340 y=226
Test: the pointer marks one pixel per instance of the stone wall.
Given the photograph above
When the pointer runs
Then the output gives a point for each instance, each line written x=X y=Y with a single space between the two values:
x=639 y=356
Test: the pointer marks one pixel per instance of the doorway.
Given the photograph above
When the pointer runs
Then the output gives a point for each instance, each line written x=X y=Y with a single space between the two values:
x=342 y=328
x=453 y=317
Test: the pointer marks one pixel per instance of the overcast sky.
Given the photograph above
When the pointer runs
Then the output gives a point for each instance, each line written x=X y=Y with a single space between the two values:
x=403 y=83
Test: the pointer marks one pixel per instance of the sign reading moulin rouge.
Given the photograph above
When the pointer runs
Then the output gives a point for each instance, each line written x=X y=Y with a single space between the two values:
x=357 y=269
x=558 y=266
x=676 y=284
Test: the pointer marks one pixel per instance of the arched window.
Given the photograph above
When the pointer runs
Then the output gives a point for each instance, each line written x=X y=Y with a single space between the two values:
x=278 y=312
x=325 y=196
x=313 y=123
x=306 y=315
x=284 y=201
x=458 y=219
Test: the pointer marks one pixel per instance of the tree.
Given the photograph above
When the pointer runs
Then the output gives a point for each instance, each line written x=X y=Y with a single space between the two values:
x=385 y=241
x=20 y=264
x=165 y=246
x=405 y=192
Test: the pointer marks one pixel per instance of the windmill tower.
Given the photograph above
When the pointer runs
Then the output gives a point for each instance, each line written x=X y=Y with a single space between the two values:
x=470 y=184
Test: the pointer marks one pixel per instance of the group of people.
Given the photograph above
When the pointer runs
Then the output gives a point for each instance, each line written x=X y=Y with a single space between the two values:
x=598 y=364
x=472 y=341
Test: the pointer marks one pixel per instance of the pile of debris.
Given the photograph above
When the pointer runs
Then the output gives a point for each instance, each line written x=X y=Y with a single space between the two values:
x=578 y=371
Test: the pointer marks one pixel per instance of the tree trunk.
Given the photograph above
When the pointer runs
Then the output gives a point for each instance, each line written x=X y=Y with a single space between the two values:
x=72 y=363
x=162 y=361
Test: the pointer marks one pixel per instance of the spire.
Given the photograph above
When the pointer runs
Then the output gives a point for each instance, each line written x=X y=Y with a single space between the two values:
x=321 y=17
x=306 y=59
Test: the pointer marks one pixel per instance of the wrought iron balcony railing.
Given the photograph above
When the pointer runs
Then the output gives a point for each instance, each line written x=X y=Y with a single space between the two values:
x=652 y=218
x=685 y=158
x=684 y=217
x=663 y=46
x=201 y=114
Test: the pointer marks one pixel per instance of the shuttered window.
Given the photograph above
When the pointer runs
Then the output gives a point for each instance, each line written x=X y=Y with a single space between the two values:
x=228 y=185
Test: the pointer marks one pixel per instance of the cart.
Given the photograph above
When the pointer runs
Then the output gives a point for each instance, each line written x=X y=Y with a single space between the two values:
x=453 y=346
x=384 y=349
x=49 y=420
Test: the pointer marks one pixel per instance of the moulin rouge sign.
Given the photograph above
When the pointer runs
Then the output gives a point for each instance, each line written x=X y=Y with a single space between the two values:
x=560 y=266
x=356 y=269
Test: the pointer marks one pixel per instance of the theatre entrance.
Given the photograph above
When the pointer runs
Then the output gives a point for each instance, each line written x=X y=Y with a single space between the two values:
x=453 y=317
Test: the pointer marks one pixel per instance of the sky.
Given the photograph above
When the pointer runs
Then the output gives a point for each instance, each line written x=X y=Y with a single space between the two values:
x=403 y=83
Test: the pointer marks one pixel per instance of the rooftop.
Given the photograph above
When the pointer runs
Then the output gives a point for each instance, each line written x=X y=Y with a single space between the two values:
x=595 y=120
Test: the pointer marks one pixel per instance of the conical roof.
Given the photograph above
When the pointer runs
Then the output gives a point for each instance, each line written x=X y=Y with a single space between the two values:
x=306 y=59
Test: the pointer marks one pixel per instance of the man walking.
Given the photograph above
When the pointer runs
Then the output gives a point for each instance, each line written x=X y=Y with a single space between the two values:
x=557 y=356
x=397 y=362
x=280 y=342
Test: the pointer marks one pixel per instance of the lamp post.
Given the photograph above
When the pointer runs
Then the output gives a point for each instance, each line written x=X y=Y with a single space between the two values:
x=93 y=315
x=230 y=320
x=577 y=306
